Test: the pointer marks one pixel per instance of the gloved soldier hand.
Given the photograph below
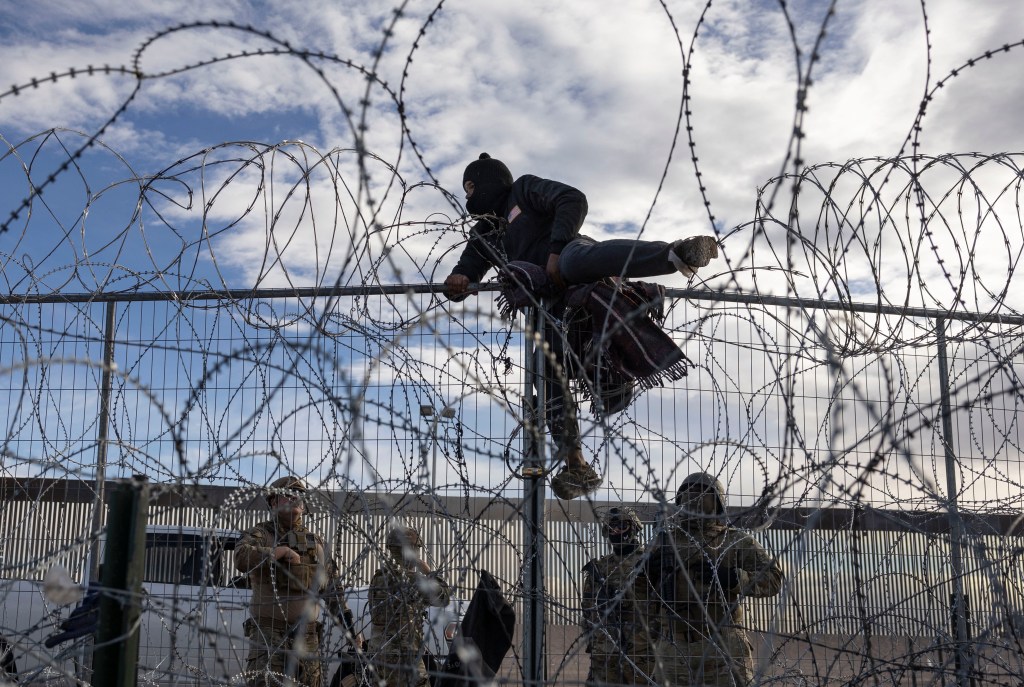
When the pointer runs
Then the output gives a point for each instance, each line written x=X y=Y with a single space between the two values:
x=729 y=577
x=662 y=563
x=286 y=555
x=704 y=572
x=708 y=573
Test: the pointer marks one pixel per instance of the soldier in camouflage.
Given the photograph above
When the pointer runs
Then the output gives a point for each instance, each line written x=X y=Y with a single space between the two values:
x=400 y=593
x=290 y=573
x=619 y=615
x=703 y=568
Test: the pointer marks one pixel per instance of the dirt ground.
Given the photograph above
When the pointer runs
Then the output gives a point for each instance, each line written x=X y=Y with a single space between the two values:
x=816 y=660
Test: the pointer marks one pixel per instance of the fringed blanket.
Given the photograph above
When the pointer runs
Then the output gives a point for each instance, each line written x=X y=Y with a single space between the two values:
x=613 y=333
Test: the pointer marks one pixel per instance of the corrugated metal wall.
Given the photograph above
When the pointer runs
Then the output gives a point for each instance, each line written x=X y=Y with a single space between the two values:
x=839 y=582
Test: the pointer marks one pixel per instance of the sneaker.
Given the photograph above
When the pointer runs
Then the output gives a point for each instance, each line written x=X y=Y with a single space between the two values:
x=690 y=253
x=571 y=483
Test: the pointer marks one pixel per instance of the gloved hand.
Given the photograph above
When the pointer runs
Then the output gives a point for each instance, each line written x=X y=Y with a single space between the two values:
x=708 y=573
x=729 y=577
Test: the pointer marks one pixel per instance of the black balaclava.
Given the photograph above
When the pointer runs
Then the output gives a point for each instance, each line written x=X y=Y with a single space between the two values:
x=491 y=185
x=622 y=528
x=624 y=544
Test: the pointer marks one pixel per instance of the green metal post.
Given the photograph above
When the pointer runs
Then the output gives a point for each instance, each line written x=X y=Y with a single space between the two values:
x=533 y=503
x=116 y=657
x=956 y=524
x=102 y=441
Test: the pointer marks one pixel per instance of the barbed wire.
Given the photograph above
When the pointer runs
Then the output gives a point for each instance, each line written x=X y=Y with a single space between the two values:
x=275 y=309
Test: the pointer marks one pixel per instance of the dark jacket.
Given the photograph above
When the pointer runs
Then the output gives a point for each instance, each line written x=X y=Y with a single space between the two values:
x=541 y=216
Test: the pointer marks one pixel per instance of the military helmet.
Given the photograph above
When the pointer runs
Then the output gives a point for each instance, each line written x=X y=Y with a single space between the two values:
x=401 y=536
x=624 y=520
x=703 y=482
x=289 y=484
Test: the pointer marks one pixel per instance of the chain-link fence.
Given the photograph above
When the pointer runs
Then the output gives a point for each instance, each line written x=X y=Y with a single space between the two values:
x=885 y=482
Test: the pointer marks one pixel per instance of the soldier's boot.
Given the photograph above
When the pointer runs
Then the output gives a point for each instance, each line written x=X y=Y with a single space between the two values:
x=576 y=478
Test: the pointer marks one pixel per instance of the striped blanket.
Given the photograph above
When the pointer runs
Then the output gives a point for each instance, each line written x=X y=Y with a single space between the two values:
x=613 y=334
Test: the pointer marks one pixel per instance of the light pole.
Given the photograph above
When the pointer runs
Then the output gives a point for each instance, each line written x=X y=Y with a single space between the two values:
x=447 y=413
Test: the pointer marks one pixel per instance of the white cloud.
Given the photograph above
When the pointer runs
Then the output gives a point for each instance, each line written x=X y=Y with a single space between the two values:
x=591 y=98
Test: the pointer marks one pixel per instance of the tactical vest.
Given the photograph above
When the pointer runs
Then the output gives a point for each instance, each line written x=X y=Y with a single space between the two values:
x=621 y=605
x=697 y=605
x=397 y=608
x=301 y=577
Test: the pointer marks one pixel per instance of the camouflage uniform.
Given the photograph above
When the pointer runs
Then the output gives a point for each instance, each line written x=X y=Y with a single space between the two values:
x=284 y=630
x=399 y=596
x=619 y=617
x=702 y=568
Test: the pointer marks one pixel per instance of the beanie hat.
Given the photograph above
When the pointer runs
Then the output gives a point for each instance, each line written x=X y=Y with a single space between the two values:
x=491 y=184
x=487 y=170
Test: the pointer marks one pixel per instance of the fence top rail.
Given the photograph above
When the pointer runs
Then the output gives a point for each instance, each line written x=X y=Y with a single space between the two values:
x=403 y=289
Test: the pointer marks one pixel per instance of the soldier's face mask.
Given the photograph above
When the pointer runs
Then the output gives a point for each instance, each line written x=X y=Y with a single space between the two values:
x=699 y=501
x=623 y=538
x=625 y=547
x=620 y=534
x=407 y=553
x=288 y=504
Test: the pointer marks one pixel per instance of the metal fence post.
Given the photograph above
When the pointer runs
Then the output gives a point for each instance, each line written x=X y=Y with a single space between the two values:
x=956 y=525
x=92 y=571
x=102 y=433
x=116 y=657
x=533 y=500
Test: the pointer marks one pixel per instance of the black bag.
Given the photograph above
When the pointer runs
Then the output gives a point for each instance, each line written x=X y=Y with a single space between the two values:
x=488 y=625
